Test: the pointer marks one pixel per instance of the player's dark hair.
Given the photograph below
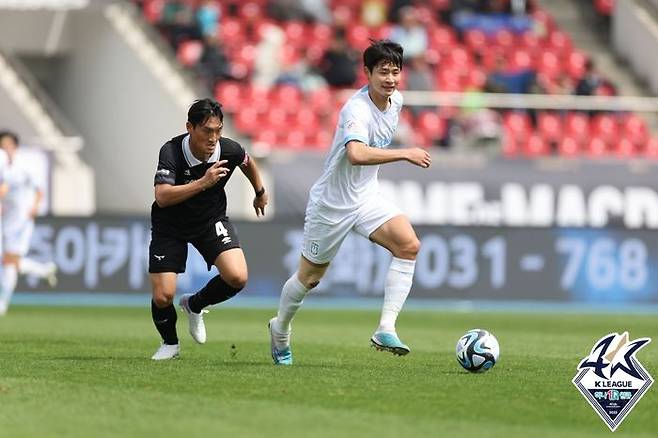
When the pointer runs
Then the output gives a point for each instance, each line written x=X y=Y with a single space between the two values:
x=382 y=50
x=9 y=134
x=203 y=109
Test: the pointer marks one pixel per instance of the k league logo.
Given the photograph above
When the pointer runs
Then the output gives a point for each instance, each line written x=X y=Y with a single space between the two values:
x=612 y=379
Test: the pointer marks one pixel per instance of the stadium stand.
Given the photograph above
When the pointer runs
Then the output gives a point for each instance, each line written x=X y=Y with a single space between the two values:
x=272 y=57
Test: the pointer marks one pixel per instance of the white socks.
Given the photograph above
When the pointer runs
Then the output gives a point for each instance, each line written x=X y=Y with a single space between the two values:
x=31 y=267
x=8 y=283
x=291 y=299
x=396 y=290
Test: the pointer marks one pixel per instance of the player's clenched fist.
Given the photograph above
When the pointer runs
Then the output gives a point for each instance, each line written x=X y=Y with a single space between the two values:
x=214 y=174
x=419 y=157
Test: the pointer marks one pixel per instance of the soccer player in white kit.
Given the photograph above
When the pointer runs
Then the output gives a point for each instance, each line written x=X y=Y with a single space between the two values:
x=347 y=197
x=19 y=207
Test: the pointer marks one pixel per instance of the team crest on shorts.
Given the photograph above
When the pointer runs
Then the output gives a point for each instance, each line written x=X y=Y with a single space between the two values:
x=612 y=379
x=315 y=248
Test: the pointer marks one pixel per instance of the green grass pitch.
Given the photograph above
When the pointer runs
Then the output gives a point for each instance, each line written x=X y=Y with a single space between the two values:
x=85 y=372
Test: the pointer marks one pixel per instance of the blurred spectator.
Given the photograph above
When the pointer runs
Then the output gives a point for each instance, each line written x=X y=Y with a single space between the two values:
x=178 y=22
x=300 y=73
x=285 y=10
x=214 y=65
x=339 y=63
x=410 y=33
x=316 y=10
x=373 y=12
x=395 y=7
x=419 y=77
x=208 y=15
x=593 y=84
x=502 y=80
x=481 y=127
x=267 y=63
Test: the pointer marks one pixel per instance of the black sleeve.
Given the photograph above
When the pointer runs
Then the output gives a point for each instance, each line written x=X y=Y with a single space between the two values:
x=237 y=156
x=166 y=173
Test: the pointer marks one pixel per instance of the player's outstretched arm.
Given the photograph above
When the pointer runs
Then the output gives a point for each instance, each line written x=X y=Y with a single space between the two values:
x=363 y=155
x=167 y=195
x=250 y=170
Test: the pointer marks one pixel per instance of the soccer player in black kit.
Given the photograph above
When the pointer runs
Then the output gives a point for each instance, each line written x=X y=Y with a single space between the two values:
x=190 y=206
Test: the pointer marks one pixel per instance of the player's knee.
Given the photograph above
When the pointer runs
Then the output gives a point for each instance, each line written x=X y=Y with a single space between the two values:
x=162 y=299
x=236 y=280
x=409 y=249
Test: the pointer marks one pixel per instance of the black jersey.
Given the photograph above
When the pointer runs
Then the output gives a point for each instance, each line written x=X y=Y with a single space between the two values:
x=178 y=166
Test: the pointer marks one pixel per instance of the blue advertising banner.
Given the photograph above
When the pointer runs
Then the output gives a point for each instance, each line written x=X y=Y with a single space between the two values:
x=584 y=265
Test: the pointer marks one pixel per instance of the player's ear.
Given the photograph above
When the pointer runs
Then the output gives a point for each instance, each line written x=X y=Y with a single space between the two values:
x=189 y=127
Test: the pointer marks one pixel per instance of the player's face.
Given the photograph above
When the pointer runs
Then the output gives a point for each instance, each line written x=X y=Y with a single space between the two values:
x=8 y=145
x=204 y=136
x=384 y=78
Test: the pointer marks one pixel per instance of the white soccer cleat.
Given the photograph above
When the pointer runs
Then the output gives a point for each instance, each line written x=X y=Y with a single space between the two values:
x=3 y=308
x=51 y=276
x=196 y=324
x=166 y=352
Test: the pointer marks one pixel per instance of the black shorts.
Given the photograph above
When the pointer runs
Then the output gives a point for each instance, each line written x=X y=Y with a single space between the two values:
x=168 y=252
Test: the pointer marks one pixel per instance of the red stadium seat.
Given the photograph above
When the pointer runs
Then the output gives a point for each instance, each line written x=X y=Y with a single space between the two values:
x=320 y=139
x=576 y=61
x=605 y=127
x=320 y=100
x=229 y=95
x=295 y=33
x=153 y=10
x=520 y=59
x=597 y=147
x=266 y=138
x=536 y=147
x=549 y=126
x=442 y=39
x=449 y=79
x=306 y=120
x=559 y=41
x=604 y=7
x=286 y=97
x=247 y=120
x=250 y=11
x=459 y=59
x=635 y=129
x=504 y=38
x=476 y=40
x=568 y=147
x=431 y=125
x=358 y=36
x=517 y=125
x=189 y=52
x=577 y=126
x=651 y=149
x=382 y=32
x=230 y=32
x=625 y=148
x=530 y=42
x=549 y=64
x=476 y=78
x=294 y=140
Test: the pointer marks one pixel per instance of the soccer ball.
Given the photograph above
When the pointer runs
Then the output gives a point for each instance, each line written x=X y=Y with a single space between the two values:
x=477 y=350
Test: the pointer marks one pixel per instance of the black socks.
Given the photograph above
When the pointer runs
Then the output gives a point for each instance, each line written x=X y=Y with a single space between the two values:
x=165 y=321
x=215 y=291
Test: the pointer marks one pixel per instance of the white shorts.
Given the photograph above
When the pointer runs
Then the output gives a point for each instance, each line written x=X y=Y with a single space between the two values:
x=16 y=236
x=324 y=232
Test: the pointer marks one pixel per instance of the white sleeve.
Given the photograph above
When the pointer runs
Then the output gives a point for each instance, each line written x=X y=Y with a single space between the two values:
x=355 y=124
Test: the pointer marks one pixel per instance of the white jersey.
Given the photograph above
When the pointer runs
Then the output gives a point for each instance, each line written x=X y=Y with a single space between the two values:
x=22 y=185
x=344 y=187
